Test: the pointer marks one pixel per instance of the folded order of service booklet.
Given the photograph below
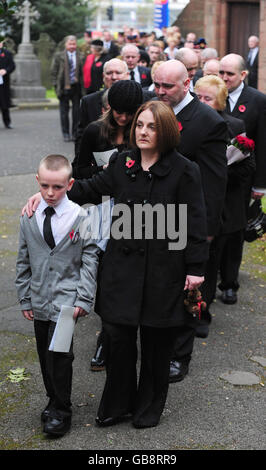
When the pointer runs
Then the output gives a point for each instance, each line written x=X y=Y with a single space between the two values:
x=63 y=333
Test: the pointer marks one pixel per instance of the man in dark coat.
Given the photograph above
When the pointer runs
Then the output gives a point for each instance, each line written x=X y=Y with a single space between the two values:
x=248 y=104
x=252 y=61
x=91 y=105
x=203 y=140
x=7 y=66
x=131 y=55
x=67 y=78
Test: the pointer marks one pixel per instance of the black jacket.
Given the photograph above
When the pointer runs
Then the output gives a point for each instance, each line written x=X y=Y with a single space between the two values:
x=234 y=215
x=7 y=63
x=251 y=108
x=141 y=280
x=204 y=138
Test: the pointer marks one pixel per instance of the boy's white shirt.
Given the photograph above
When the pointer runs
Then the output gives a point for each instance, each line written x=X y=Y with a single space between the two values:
x=62 y=221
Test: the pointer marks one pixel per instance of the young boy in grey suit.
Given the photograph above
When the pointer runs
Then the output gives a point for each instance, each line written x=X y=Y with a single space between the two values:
x=56 y=265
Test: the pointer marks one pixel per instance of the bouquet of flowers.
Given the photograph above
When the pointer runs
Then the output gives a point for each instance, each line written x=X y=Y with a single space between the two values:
x=240 y=147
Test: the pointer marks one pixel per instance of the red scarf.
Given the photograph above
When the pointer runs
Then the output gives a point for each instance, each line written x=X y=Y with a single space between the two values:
x=87 y=70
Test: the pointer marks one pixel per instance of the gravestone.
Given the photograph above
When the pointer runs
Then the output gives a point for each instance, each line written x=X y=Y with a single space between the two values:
x=44 y=49
x=26 y=79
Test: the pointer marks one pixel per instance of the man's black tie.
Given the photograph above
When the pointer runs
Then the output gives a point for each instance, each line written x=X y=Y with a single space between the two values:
x=132 y=75
x=228 y=108
x=47 y=229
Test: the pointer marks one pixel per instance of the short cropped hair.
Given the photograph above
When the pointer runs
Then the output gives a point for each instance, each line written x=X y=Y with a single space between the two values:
x=56 y=163
x=222 y=92
x=168 y=135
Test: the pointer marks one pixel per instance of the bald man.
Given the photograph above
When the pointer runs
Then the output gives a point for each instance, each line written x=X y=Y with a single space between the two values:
x=252 y=61
x=203 y=140
x=211 y=67
x=190 y=60
x=131 y=55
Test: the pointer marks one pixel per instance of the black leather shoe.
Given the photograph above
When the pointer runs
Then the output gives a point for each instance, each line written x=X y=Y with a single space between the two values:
x=56 y=426
x=229 y=296
x=98 y=362
x=111 y=421
x=178 y=371
x=47 y=412
x=202 y=331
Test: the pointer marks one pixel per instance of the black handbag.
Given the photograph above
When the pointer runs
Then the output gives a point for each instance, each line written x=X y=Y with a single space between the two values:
x=256 y=225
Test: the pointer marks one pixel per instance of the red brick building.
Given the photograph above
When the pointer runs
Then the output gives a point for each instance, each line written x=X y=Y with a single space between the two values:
x=226 y=26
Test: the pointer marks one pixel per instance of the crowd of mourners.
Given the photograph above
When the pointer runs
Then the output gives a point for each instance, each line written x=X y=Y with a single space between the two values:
x=155 y=121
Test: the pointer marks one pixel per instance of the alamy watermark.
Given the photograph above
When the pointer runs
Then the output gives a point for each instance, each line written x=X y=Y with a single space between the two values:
x=138 y=222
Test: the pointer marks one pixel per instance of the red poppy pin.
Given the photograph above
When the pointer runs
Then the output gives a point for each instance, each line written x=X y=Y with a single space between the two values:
x=143 y=76
x=98 y=64
x=72 y=234
x=242 y=108
x=180 y=127
x=130 y=162
x=2 y=55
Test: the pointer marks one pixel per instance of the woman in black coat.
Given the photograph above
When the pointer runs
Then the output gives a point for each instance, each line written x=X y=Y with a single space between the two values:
x=108 y=133
x=146 y=265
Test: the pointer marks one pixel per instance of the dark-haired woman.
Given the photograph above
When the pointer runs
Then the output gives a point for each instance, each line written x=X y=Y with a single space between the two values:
x=144 y=274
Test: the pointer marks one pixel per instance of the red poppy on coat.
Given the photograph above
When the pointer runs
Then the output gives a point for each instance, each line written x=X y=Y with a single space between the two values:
x=242 y=108
x=130 y=163
x=180 y=127
x=99 y=64
x=143 y=75
x=2 y=55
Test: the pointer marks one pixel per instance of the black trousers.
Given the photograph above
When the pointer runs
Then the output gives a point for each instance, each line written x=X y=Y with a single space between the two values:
x=6 y=116
x=73 y=95
x=123 y=393
x=230 y=248
x=56 y=368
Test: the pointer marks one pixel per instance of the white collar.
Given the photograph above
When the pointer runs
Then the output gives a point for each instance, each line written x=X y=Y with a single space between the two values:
x=60 y=209
x=185 y=101
x=235 y=93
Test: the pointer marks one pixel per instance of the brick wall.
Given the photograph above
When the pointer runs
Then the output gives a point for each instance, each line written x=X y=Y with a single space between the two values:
x=192 y=18
x=262 y=55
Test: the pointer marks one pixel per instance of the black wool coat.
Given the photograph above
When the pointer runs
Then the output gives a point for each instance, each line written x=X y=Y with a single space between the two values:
x=204 y=138
x=251 y=108
x=141 y=280
x=7 y=63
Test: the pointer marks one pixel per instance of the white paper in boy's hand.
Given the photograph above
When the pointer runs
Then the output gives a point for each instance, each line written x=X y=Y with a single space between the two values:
x=103 y=157
x=63 y=333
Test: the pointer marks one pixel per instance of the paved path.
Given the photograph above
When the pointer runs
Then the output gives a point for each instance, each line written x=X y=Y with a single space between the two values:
x=204 y=411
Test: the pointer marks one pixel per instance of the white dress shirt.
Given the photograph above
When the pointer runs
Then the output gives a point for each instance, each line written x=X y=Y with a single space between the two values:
x=252 y=54
x=65 y=215
x=234 y=95
x=136 y=74
x=188 y=98
x=72 y=56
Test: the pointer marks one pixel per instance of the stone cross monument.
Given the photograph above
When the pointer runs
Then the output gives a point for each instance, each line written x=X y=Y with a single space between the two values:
x=26 y=79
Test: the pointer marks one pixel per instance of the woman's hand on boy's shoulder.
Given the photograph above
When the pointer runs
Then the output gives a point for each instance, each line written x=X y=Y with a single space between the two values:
x=31 y=205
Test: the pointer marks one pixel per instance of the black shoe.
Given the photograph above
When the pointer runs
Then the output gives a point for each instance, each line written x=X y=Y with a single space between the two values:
x=202 y=331
x=229 y=296
x=178 y=371
x=56 y=426
x=98 y=362
x=8 y=126
x=142 y=425
x=111 y=421
x=47 y=412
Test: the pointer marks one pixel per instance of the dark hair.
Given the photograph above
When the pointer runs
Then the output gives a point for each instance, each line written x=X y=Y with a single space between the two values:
x=168 y=135
x=109 y=128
